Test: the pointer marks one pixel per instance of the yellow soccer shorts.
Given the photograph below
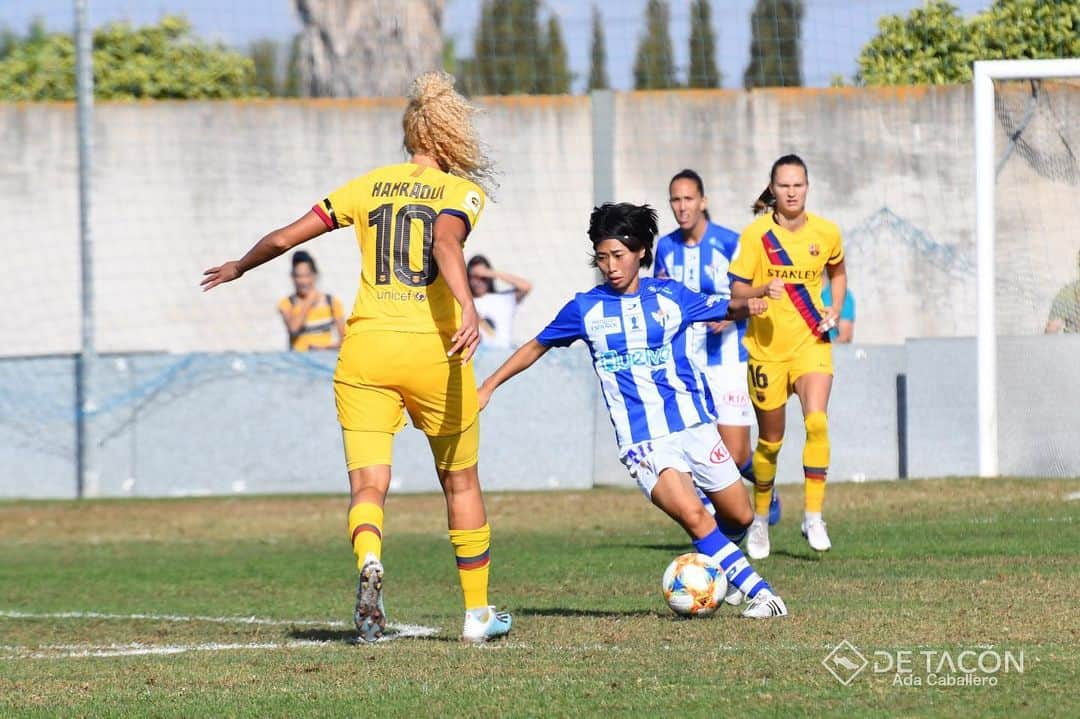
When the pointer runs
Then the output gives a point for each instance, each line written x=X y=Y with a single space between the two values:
x=771 y=383
x=382 y=374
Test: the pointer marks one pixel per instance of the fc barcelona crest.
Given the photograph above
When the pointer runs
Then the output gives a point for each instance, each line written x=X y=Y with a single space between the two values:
x=814 y=251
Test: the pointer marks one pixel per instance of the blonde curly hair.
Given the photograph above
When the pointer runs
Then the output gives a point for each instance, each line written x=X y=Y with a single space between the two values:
x=438 y=122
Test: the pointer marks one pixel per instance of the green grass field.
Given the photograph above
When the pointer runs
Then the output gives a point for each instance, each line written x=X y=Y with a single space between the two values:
x=937 y=566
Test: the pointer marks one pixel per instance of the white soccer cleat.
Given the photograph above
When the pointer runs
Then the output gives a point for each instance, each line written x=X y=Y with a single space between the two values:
x=370 y=617
x=491 y=625
x=757 y=539
x=818 y=538
x=765 y=605
x=734 y=595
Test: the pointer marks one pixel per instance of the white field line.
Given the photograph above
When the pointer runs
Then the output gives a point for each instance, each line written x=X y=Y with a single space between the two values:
x=62 y=651
x=69 y=651
x=12 y=614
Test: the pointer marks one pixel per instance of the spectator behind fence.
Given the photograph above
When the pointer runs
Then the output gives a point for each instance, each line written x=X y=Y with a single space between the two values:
x=1065 y=309
x=311 y=317
x=496 y=309
x=844 y=331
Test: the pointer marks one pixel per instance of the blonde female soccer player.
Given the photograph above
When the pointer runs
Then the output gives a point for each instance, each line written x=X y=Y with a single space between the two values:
x=411 y=334
x=663 y=415
x=784 y=255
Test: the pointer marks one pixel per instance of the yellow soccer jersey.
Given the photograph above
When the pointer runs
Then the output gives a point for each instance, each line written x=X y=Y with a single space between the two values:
x=318 y=330
x=394 y=209
x=767 y=250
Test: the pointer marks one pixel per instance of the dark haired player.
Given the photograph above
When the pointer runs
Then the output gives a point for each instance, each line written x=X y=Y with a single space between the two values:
x=655 y=394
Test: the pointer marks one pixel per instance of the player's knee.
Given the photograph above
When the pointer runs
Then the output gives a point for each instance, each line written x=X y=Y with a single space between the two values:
x=697 y=521
x=742 y=517
x=817 y=427
x=460 y=481
x=768 y=451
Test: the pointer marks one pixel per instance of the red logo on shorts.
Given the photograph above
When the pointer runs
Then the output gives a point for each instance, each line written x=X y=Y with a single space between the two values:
x=719 y=454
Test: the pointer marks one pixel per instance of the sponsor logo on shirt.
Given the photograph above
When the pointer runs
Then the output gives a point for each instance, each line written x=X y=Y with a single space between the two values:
x=613 y=361
x=604 y=326
x=399 y=296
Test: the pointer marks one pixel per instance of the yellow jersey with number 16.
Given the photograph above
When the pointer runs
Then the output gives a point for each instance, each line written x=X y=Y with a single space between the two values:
x=767 y=251
x=393 y=209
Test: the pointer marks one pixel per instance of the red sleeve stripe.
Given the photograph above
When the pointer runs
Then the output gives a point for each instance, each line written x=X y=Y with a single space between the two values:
x=318 y=210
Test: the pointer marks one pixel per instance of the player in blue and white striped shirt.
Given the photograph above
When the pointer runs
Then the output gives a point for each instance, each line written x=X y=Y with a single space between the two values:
x=656 y=395
x=698 y=254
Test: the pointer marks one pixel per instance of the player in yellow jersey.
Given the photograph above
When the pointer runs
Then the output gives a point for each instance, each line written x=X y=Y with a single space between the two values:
x=409 y=339
x=786 y=254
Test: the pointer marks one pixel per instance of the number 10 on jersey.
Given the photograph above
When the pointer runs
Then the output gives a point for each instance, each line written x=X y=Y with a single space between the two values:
x=392 y=253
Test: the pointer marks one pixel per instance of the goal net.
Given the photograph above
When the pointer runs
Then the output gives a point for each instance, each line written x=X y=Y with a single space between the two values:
x=1028 y=406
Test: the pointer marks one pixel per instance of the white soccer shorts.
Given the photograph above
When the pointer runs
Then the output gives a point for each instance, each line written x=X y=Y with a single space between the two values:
x=698 y=451
x=731 y=394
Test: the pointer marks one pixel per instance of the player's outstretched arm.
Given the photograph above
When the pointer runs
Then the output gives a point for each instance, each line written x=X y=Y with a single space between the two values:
x=270 y=246
x=518 y=362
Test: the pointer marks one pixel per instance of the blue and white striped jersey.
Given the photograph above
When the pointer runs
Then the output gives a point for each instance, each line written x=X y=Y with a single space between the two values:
x=704 y=268
x=651 y=387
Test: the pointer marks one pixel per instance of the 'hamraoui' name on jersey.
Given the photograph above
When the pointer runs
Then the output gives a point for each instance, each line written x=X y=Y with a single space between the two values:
x=650 y=385
x=412 y=190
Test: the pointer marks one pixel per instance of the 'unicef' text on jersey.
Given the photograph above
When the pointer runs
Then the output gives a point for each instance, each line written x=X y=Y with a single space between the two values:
x=651 y=386
x=704 y=268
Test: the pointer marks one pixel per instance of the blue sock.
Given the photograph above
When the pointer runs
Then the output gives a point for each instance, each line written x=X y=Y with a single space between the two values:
x=733 y=562
x=747 y=470
x=734 y=533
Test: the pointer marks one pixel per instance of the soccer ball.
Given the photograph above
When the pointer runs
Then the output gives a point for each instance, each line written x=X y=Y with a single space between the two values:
x=694 y=585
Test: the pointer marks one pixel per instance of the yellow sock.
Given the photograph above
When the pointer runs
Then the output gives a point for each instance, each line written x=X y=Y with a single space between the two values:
x=472 y=548
x=816 y=461
x=365 y=531
x=764 y=463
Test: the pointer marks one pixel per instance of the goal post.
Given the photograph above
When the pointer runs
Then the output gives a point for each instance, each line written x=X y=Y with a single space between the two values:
x=986 y=73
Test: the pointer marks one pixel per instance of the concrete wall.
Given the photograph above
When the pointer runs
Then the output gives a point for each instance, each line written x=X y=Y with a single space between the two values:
x=179 y=186
x=163 y=425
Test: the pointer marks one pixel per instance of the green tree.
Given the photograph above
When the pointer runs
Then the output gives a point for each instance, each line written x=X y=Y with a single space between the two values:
x=163 y=61
x=264 y=56
x=775 y=47
x=8 y=41
x=598 y=77
x=1035 y=29
x=934 y=45
x=556 y=78
x=510 y=52
x=291 y=86
x=703 y=70
x=654 y=63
